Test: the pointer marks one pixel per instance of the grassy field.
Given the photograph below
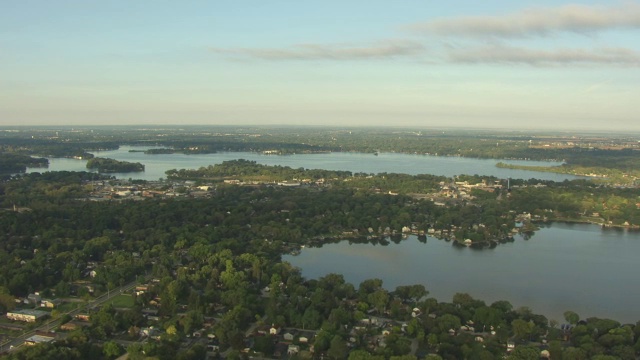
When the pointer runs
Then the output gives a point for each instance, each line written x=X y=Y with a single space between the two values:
x=122 y=301
x=68 y=306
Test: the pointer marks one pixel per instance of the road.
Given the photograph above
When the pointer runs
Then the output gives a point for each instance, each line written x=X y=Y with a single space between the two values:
x=54 y=323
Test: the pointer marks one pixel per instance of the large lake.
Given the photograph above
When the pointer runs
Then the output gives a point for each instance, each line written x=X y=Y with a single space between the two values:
x=156 y=165
x=576 y=267
x=563 y=267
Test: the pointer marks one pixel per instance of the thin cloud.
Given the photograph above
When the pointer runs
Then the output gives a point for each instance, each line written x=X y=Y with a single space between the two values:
x=501 y=54
x=596 y=87
x=381 y=50
x=537 y=21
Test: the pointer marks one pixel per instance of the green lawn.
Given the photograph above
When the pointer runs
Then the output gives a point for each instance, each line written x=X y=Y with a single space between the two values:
x=66 y=307
x=122 y=301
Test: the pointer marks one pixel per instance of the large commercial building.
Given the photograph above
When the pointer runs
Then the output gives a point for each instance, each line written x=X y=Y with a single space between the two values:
x=27 y=315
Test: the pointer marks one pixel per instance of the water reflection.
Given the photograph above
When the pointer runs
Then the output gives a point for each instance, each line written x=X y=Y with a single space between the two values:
x=561 y=267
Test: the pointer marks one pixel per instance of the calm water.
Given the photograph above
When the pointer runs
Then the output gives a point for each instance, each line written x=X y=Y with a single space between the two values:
x=563 y=267
x=156 y=165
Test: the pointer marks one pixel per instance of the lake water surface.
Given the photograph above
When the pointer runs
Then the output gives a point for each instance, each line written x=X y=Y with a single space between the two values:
x=156 y=165
x=576 y=267
x=563 y=267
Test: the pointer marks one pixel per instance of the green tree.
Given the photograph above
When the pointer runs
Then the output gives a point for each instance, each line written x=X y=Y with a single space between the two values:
x=379 y=299
x=447 y=322
x=363 y=355
x=524 y=353
x=571 y=317
x=572 y=353
x=338 y=348
x=7 y=302
x=521 y=329
x=112 y=350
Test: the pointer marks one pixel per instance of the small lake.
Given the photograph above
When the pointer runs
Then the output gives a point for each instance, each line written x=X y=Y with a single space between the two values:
x=157 y=165
x=576 y=267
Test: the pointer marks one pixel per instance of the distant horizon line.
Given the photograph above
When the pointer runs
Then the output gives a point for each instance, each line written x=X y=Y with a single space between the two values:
x=142 y=126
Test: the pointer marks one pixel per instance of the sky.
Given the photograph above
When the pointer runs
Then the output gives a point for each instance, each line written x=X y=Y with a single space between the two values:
x=468 y=64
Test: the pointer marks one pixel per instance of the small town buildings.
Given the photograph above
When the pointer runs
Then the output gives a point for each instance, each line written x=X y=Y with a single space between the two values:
x=29 y=316
x=39 y=339
x=34 y=298
x=289 y=335
x=293 y=349
x=274 y=330
x=70 y=326
x=83 y=317
x=50 y=304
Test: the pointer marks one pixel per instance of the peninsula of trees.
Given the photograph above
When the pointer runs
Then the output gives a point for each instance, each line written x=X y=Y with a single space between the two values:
x=11 y=163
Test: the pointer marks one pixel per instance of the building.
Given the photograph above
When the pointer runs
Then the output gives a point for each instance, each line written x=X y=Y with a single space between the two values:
x=27 y=315
x=39 y=339
x=51 y=304
x=33 y=299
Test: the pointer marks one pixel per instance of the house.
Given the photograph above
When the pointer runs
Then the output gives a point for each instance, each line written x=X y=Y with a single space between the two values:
x=293 y=349
x=213 y=345
x=29 y=316
x=83 y=317
x=289 y=335
x=415 y=312
x=73 y=325
x=33 y=299
x=50 y=304
x=150 y=332
x=274 y=330
x=306 y=337
x=70 y=326
x=39 y=338
x=289 y=183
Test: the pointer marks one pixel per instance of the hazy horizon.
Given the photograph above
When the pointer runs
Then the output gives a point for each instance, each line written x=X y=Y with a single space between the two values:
x=544 y=65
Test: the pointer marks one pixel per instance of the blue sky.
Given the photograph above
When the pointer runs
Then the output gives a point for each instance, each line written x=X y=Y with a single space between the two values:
x=489 y=64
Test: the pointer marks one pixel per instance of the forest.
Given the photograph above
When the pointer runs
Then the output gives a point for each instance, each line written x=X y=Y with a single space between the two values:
x=575 y=200
x=14 y=163
x=206 y=245
x=206 y=263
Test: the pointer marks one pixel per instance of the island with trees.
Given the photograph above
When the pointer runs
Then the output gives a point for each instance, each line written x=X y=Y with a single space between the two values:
x=106 y=165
